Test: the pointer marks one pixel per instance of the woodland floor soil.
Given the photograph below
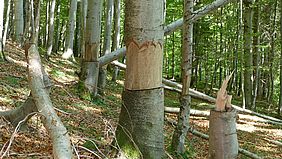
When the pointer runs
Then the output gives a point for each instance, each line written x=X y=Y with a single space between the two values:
x=92 y=124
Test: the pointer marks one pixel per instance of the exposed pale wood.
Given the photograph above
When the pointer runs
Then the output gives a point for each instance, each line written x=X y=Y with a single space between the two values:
x=223 y=142
x=223 y=100
x=145 y=60
x=58 y=133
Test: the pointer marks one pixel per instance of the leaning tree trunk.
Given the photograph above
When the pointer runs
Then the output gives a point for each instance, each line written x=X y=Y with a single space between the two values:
x=140 y=129
x=90 y=64
x=106 y=47
x=248 y=60
x=58 y=133
x=71 y=30
x=179 y=136
x=51 y=27
x=19 y=21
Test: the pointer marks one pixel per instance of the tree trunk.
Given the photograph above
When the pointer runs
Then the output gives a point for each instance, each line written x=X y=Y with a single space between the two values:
x=19 y=21
x=256 y=49
x=51 y=27
x=106 y=47
x=1 y=27
x=280 y=96
x=90 y=64
x=248 y=60
x=58 y=28
x=223 y=141
x=83 y=27
x=140 y=129
x=179 y=136
x=61 y=141
x=71 y=30
x=116 y=36
x=35 y=30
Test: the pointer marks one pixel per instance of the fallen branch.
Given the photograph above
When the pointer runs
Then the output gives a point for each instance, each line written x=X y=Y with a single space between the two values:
x=212 y=100
x=273 y=142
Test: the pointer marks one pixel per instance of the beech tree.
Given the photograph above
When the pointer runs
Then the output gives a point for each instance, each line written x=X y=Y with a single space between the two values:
x=51 y=27
x=140 y=129
x=1 y=27
x=71 y=29
x=90 y=64
x=19 y=21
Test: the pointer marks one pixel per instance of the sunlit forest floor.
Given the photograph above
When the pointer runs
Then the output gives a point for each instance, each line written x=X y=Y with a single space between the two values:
x=92 y=124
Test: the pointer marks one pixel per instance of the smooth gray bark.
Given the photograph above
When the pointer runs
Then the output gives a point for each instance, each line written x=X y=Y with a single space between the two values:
x=71 y=30
x=116 y=36
x=51 y=27
x=1 y=25
x=142 y=113
x=19 y=21
x=106 y=47
x=61 y=141
x=90 y=65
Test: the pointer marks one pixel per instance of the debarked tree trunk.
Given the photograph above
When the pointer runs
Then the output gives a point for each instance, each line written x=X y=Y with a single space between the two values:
x=223 y=141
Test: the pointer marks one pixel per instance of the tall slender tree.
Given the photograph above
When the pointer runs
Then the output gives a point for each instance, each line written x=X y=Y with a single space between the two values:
x=51 y=27
x=71 y=30
x=248 y=56
x=181 y=130
x=19 y=20
x=280 y=96
x=106 y=46
x=1 y=26
x=140 y=129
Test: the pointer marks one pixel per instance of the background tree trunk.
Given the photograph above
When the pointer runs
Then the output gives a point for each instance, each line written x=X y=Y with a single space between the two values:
x=90 y=64
x=71 y=30
x=106 y=47
x=116 y=36
x=51 y=27
x=179 y=136
x=280 y=96
x=1 y=26
x=248 y=56
x=19 y=21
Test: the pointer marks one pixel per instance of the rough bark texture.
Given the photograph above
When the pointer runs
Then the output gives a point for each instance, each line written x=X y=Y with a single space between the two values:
x=179 y=136
x=141 y=124
x=223 y=141
x=140 y=130
x=90 y=65
x=61 y=142
x=248 y=56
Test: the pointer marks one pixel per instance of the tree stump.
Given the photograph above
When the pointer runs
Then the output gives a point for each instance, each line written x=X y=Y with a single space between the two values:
x=223 y=142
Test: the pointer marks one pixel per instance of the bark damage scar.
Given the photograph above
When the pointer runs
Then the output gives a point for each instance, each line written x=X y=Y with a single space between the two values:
x=144 y=61
x=143 y=45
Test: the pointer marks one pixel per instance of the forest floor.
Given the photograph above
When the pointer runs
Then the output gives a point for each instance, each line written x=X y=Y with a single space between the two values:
x=92 y=124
